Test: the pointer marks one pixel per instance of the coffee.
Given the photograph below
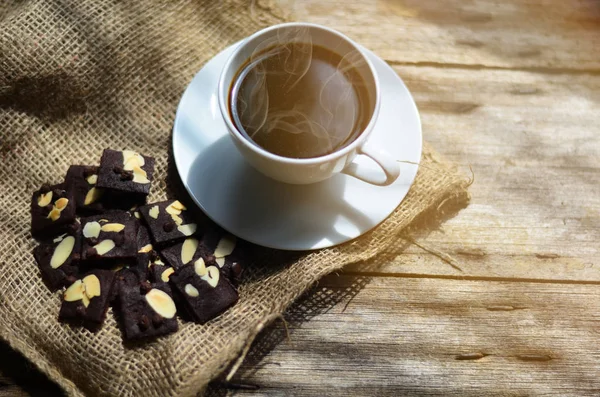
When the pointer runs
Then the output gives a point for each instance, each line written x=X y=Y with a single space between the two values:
x=301 y=100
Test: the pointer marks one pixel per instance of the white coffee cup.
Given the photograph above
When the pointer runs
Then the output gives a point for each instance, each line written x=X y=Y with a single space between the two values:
x=309 y=170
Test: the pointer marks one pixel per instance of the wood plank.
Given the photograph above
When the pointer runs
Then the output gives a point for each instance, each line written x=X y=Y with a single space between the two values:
x=419 y=336
x=538 y=34
x=533 y=141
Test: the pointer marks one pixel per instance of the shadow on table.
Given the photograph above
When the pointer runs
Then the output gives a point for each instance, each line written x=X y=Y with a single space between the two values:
x=18 y=376
x=323 y=298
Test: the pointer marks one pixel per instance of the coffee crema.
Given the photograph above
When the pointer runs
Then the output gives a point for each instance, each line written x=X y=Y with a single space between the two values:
x=301 y=100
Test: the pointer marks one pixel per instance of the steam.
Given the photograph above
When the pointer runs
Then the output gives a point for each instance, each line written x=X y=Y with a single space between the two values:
x=285 y=91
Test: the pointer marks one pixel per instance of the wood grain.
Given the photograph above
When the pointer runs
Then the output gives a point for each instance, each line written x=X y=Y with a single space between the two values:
x=420 y=336
x=542 y=35
x=511 y=88
x=535 y=209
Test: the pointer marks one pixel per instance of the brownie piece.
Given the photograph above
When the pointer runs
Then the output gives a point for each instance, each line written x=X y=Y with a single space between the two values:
x=147 y=311
x=186 y=252
x=126 y=171
x=52 y=211
x=112 y=235
x=86 y=301
x=58 y=260
x=81 y=181
x=215 y=247
x=130 y=273
x=202 y=291
x=168 y=221
x=160 y=273
x=144 y=244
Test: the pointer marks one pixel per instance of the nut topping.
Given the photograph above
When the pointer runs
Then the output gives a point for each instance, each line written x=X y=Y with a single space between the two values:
x=91 y=230
x=44 y=199
x=212 y=276
x=104 y=247
x=112 y=227
x=146 y=248
x=62 y=252
x=187 y=230
x=161 y=303
x=220 y=262
x=167 y=274
x=191 y=291
x=225 y=246
x=188 y=249
x=92 y=179
x=92 y=286
x=200 y=267
x=92 y=195
x=154 y=212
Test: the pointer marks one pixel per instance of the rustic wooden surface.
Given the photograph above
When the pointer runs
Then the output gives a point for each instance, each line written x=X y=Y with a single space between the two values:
x=511 y=88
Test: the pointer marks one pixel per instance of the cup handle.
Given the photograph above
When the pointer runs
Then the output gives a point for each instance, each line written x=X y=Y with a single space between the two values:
x=390 y=167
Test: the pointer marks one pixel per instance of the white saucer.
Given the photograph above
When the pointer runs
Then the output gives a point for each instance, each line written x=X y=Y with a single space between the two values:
x=278 y=215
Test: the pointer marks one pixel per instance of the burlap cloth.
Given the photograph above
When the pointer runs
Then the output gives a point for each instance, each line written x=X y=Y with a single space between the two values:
x=78 y=76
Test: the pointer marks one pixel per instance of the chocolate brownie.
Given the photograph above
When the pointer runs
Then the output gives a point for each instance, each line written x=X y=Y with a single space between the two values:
x=147 y=311
x=81 y=181
x=112 y=235
x=58 y=260
x=126 y=171
x=131 y=273
x=52 y=211
x=168 y=221
x=183 y=253
x=215 y=247
x=86 y=301
x=202 y=291
x=160 y=273
x=144 y=244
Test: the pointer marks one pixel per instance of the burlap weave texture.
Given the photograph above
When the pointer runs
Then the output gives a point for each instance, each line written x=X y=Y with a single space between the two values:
x=83 y=75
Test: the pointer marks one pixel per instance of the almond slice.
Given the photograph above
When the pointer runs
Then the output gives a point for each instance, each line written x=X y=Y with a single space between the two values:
x=92 y=179
x=177 y=219
x=167 y=274
x=139 y=175
x=54 y=214
x=178 y=206
x=174 y=209
x=62 y=252
x=45 y=199
x=187 y=230
x=75 y=292
x=61 y=204
x=212 y=276
x=92 y=195
x=154 y=212
x=104 y=247
x=191 y=291
x=161 y=303
x=220 y=262
x=112 y=227
x=132 y=159
x=92 y=286
x=91 y=230
x=145 y=249
x=225 y=246
x=188 y=249
x=200 y=267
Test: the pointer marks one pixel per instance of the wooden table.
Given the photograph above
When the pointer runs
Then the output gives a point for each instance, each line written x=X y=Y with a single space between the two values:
x=511 y=88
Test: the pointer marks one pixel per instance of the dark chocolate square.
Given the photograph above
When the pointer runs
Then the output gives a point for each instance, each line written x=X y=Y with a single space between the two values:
x=58 y=260
x=215 y=247
x=203 y=292
x=81 y=181
x=147 y=311
x=125 y=171
x=112 y=235
x=86 y=301
x=52 y=211
x=144 y=243
x=168 y=221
